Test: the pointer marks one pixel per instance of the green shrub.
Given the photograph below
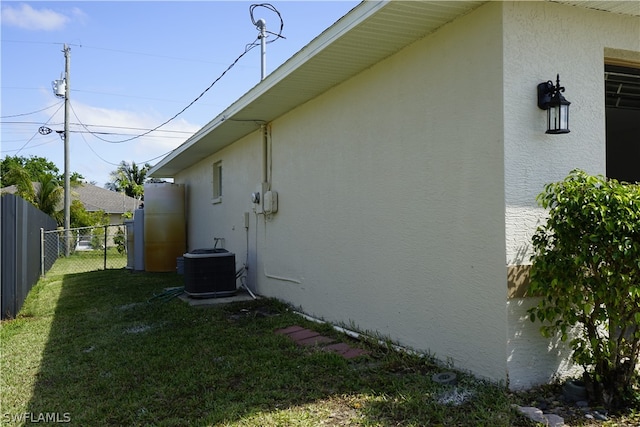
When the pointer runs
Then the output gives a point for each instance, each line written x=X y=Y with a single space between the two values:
x=586 y=268
x=120 y=241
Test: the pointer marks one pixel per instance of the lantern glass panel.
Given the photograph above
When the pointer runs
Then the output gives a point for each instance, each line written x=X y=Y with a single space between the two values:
x=564 y=117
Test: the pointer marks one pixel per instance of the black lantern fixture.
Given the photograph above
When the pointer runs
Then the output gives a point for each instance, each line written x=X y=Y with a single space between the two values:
x=550 y=98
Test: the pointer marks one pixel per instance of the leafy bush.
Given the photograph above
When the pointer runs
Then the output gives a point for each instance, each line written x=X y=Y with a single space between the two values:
x=120 y=241
x=586 y=268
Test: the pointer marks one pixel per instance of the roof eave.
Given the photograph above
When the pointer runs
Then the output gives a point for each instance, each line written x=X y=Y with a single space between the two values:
x=179 y=158
x=349 y=46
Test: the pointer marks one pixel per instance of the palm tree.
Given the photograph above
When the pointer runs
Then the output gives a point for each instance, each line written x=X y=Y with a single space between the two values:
x=48 y=195
x=45 y=193
x=129 y=178
x=24 y=185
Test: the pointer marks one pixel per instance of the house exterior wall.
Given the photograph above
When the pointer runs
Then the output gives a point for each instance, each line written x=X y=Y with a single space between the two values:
x=391 y=199
x=224 y=219
x=542 y=39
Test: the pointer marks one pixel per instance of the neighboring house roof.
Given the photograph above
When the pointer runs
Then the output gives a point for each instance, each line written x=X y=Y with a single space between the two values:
x=369 y=33
x=96 y=198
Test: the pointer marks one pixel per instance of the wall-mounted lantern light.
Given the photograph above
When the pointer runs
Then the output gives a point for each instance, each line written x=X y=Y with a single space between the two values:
x=550 y=98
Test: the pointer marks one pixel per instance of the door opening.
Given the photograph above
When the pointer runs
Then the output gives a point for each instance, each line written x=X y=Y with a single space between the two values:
x=622 y=102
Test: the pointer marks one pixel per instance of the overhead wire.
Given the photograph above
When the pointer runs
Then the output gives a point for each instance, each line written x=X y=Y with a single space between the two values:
x=248 y=47
x=94 y=151
x=36 y=132
x=181 y=111
x=270 y=7
x=101 y=126
x=51 y=141
x=32 y=112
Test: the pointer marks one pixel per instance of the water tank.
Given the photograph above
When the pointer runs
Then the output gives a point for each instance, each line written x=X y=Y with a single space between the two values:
x=210 y=273
x=164 y=226
x=138 y=237
x=130 y=242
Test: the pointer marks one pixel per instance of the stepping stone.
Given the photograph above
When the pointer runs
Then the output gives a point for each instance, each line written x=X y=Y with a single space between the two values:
x=303 y=335
x=319 y=339
x=288 y=330
x=307 y=337
x=345 y=350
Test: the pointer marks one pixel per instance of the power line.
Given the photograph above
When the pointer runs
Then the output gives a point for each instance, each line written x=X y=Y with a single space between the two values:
x=150 y=54
x=36 y=133
x=246 y=50
x=273 y=9
x=33 y=112
x=181 y=111
x=117 y=164
x=99 y=126
x=33 y=146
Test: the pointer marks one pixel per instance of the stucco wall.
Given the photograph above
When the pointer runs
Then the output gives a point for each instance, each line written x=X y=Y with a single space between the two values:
x=241 y=170
x=391 y=199
x=542 y=39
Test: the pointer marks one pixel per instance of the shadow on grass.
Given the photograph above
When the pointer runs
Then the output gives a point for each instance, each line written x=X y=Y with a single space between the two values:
x=115 y=358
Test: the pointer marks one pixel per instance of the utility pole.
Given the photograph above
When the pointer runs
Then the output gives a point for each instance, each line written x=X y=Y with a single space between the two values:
x=67 y=183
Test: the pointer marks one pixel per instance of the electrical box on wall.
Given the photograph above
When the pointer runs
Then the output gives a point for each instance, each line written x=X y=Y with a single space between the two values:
x=270 y=202
x=257 y=198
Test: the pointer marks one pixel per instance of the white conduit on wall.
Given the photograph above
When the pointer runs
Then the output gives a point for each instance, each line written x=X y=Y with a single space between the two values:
x=266 y=179
x=264 y=261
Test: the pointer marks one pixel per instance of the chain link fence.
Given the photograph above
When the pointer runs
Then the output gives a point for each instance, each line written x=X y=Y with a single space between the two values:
x=83 y=249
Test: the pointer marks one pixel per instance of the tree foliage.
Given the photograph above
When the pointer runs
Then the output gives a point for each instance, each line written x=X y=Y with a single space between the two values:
x=129 y=178
x=37 y=182
x=15 y=168
x=586 y=268
x=44 y=193
x=81 y=218
x=48 y=194
x=33 y=166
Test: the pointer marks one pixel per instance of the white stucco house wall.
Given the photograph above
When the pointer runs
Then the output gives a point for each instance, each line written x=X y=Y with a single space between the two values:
x=406 y=150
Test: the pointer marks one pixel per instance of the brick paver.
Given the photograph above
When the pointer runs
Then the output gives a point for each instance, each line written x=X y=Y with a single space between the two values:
x=307 y=337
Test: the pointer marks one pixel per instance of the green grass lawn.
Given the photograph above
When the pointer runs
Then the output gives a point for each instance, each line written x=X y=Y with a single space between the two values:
x=96 y=349
x=91 y=260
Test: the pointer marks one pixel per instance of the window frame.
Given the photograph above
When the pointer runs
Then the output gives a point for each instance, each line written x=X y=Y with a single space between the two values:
x=216 y=182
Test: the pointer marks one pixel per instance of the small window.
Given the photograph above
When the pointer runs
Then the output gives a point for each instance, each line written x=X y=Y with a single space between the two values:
x=217 y=182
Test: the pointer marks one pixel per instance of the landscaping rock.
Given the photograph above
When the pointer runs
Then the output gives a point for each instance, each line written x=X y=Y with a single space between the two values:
x=538 y=416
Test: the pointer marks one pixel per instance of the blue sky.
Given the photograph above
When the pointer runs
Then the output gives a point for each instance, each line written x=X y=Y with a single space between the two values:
x=133 y=66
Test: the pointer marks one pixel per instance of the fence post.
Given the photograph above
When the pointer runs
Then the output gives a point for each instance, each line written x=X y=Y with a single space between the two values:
x=105 y=247
x=42 y=252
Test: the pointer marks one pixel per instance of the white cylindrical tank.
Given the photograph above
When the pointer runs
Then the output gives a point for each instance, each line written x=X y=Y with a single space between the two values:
x=138 y=236
x=130 y=242
x=164 y=226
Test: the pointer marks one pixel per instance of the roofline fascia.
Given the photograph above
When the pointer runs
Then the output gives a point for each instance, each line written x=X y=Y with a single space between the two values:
x=354 y=17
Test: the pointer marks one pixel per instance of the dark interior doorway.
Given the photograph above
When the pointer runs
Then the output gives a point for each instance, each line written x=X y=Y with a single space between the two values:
x=622 y=89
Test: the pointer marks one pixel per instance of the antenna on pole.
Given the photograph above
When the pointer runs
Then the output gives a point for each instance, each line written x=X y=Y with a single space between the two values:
x=261 y=25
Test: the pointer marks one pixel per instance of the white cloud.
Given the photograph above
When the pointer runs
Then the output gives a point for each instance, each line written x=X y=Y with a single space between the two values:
x=79 y=15
x=120 y=125
x=28 y=18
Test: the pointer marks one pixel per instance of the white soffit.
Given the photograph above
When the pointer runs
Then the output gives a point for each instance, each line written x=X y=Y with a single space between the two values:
x=631 y=8
x=370 y=32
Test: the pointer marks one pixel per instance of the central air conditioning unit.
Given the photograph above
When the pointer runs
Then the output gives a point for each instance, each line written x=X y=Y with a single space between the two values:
x=209 y=273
